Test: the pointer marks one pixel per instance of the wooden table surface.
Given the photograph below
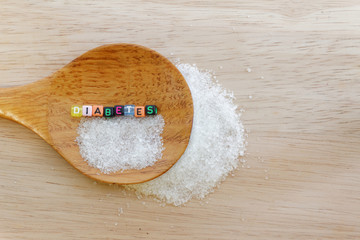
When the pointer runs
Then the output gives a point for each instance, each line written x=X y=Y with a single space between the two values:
x=302 y=112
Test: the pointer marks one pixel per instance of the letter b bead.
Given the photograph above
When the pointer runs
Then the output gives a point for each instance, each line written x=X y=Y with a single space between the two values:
x=108 y=112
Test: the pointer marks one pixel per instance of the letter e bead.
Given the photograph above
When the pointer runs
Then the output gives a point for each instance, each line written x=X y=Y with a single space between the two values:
x=119 y=110
x=139 y=111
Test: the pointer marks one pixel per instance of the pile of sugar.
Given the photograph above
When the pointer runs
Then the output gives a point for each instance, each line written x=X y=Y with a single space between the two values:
x=215 y=146
x=121 y=143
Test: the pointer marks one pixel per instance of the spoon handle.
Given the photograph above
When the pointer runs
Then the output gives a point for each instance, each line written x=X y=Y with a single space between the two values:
x=27 y=105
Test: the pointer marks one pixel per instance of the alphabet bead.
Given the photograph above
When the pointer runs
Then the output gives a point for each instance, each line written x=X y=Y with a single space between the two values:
x=150 y=110
x=119 y=110
x=139 y=111
x=108 y=112
x=87 y=111
x=98 y=111
x=129 y=110
x=76 y=111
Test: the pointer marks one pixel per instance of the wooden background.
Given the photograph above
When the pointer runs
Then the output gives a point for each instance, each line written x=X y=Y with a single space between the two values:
x=302 y=112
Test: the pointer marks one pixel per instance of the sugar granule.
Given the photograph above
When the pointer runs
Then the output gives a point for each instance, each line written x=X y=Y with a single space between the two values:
x=121 y=143
x=216 y=143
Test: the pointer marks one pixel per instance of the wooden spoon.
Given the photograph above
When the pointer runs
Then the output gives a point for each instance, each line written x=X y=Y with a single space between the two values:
x=108 y=75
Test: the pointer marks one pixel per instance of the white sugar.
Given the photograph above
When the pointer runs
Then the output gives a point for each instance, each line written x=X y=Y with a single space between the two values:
x=121 y=143
x=215 y=147
x=216 y=143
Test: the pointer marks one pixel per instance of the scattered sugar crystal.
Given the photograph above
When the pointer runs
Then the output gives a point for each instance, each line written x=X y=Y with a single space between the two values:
x=250 y=97
x=138 y=140
x=120 y=211
x=248 y=69
x=216 y=143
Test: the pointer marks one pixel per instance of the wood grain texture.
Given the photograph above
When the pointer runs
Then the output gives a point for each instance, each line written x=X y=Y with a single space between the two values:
x=302 y=176
x=108 y=75
x=28 y=106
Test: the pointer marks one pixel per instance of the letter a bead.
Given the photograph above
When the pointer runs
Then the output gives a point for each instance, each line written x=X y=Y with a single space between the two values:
x=87 y=111
x=76 y=111
x=139 y=111
x=98 y=111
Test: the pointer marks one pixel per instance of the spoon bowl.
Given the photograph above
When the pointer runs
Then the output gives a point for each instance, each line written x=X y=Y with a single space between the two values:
x=108 y=75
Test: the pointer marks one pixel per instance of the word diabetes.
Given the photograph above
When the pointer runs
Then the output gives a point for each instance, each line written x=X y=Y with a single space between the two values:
x=118 y=110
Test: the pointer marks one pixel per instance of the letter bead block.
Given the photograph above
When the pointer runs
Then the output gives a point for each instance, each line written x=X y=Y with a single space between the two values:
x=119 y=110
x=98 y=111
x=87 y=111
x=129 y=110
x=108 y=112
x=150 y=110
x=139 y=111
x=76 y=111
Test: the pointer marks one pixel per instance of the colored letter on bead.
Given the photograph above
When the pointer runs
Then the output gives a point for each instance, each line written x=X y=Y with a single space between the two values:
x=87 y=111
x=129 y=110
x=150 y=110
x=76 y=111
x=108 y=112
x=139 y=111
x=98 y=111
x=119 y=110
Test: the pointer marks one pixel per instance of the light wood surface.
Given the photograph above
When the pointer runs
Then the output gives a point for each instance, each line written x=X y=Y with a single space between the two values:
x=301 y=101
x=107 y=75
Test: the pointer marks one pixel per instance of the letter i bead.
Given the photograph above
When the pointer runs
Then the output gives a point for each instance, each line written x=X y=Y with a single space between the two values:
x=76 y=111
x=87 y=111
